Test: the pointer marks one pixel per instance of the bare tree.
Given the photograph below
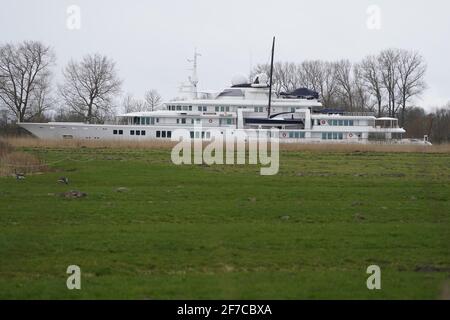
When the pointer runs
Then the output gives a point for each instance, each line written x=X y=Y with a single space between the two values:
x=321 y=77
x=362 y=97
x=153 y=100
x=90 y=86
x=411 y=70
x=388 y=60
x=344 y=80
x=41 y=100
x=130 y=104
x=372 y=80
x=24 y=70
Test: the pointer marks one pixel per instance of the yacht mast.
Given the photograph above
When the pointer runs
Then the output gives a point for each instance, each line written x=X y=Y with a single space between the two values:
x=271 y=74
x=193 y=79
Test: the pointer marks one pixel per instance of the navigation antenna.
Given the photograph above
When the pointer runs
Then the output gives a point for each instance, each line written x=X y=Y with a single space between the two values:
x=193 y=79
x=271 y=74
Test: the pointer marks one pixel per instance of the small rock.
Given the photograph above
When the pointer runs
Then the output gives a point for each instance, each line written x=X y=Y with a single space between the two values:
x=122 y=189
x=74 y=194
x=284 y=217
x=356 y=203
x=252 y=199
x=359 y=216
x=413 y=198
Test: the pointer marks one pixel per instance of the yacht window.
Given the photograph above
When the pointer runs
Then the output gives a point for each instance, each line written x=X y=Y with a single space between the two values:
x=169 y=134
x=292 y=109
x=197 y=134
x=217 y=109
x=178 y=108
x=132 y=132
x=163 y=134
x=330 y=135
x=199 y=108
x=185 y=108
x=192 y=134
x=341 y=122
x=330 y=122
x=183 y=120
x=335 y=122
x=136 y=120
x=120 y=131
x=345 y=122
x=198 y=120
x=324 y=135
x=229 y=121
x=114 y=131
x=157 y=120
x=192 y=120
x=350 y=122
x=341 y=136
x=335 y=135
x=227 y=109
x=190 y=108
x=178 y=120
x=204 y=109
x=158 y=134
x=138 y=133
x=203 y=134
x=222 y=109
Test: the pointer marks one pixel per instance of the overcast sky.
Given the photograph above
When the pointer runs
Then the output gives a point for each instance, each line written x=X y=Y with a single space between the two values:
x=151 y=40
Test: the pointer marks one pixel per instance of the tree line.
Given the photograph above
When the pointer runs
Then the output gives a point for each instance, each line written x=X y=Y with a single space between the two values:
x=88 y=91
x=385 y=83
x=388 y=83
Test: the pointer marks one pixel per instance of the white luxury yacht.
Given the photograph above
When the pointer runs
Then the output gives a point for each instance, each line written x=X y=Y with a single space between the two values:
x=298 y=115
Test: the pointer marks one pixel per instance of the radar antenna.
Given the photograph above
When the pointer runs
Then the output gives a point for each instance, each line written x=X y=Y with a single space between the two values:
x=193 y=79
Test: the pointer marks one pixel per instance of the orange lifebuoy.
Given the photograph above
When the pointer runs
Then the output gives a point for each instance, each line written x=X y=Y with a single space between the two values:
x=284 y=134
x=323 y=122
x=210 y=120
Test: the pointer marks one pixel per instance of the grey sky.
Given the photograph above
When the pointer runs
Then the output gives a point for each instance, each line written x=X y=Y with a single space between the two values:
x=151 y=40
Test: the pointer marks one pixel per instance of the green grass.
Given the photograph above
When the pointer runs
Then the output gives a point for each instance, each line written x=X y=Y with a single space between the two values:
x=193 y=232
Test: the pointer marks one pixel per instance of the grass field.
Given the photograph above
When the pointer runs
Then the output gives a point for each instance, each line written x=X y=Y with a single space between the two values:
x=198 y=231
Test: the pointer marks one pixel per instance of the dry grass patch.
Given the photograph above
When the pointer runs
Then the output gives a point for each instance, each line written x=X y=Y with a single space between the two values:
x=12 y=161
x=21 y=142
x=438 y=148
x=30 y=142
